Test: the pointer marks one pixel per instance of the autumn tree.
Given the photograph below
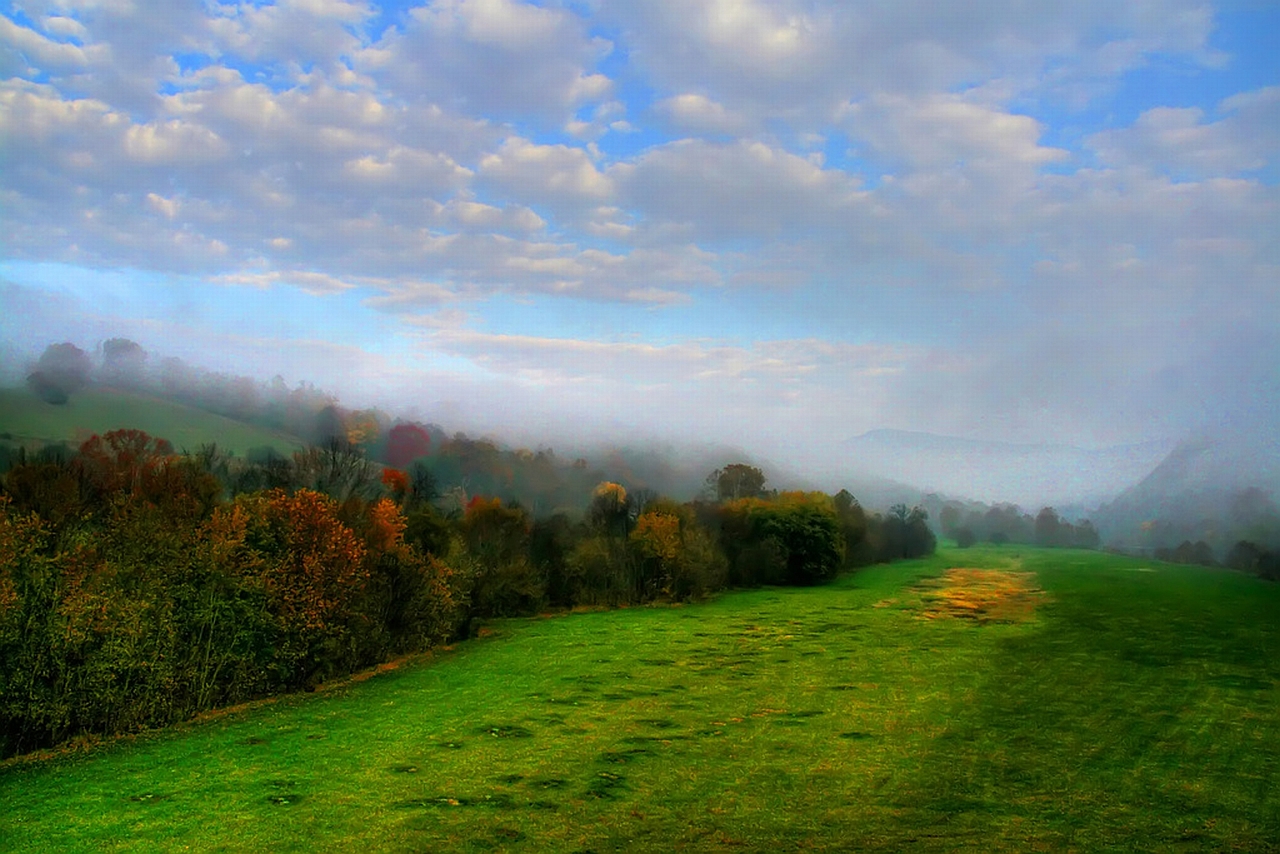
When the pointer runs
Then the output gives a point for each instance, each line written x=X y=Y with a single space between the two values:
x=314 y=571
x=363 y=429
x=413 y=600
x=675 y=557
x=406 y=443
x=505 y=581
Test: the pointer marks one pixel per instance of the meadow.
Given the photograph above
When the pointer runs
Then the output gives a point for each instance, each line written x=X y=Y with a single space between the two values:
x=25 y=420
x=991 y=699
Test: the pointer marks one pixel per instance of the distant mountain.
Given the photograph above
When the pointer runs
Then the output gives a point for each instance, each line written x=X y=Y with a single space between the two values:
x=1218 y=489
x=1029 y=475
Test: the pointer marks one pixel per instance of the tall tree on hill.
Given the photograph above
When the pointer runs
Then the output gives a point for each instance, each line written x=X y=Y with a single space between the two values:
x=63 y=369
x=123 y=362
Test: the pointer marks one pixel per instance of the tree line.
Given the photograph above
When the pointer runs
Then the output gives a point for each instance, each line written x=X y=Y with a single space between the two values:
x=1006 y=523
x=140 y=586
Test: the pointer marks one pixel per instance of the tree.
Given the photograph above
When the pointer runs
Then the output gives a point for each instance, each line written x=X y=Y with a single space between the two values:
x=949 y=519
x=123 y=362
x=1048 y=527
x=853 y=526
x=330 y=427
x=63 y=369
x=794 y=538
x=609 y=508
x=504 y=580
x=736 y=481
x=363 y=428
x=406 y=443
x=1086 y=535
x=675 y=557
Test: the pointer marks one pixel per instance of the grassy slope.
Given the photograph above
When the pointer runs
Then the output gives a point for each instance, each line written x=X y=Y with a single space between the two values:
x=1138 y=711
x=31 y=421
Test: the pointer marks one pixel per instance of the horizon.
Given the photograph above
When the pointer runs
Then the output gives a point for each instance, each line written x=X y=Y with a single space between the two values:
x=776 y=227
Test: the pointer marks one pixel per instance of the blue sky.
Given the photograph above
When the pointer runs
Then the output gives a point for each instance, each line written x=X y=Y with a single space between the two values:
x=773 y=224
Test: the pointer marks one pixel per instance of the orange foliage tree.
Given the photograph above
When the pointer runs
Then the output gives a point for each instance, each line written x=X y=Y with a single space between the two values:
x=313 y=570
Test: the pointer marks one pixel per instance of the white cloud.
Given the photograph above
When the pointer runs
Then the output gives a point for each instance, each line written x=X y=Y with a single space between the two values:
x=317 y=284
x=1181 y=142
x=557 y=175
x=21 y=45
x=669 y=365
x=699 y=114
x=493 y=57
x=800 y=60
x=942 y=130
x=739 y=189
x=292 y=33
x=173 y=142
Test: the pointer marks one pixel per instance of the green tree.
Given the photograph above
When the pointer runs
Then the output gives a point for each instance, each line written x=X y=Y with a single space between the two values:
x=736 y=481
x=1048 y=528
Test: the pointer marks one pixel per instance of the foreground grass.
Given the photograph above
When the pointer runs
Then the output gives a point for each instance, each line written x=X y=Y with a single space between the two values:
x=27 y=420
x=1135 y=710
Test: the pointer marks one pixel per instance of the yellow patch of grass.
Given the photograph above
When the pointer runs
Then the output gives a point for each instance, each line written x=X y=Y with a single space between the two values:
x=981 y=595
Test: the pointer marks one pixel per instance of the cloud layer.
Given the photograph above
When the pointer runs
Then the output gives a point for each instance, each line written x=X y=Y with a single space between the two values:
x=829 y=216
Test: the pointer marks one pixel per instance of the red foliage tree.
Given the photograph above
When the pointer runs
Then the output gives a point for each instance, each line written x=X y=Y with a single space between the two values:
x=405 y=443
x=396 y=482
x=122 y=460
x=145 y=469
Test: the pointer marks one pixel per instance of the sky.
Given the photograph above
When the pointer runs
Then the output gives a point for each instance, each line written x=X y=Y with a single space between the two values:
x=774 y=225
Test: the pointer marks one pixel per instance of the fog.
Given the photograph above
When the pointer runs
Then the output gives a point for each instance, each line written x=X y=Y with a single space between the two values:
x=649 y=225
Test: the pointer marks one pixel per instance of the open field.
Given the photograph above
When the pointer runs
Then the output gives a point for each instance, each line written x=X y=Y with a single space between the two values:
x=27 y=420
x=1026 y=701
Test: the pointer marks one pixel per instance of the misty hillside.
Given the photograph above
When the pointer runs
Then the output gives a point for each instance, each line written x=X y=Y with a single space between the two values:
x=1029 y=475
x=27 y=420
x=1206 y=488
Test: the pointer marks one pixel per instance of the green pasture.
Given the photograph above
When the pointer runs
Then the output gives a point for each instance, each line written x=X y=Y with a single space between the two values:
x=1136 y=710
x=27 y=420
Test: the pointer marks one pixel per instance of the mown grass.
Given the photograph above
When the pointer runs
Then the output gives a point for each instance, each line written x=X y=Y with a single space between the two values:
x=1132 y=710
x=27 y=420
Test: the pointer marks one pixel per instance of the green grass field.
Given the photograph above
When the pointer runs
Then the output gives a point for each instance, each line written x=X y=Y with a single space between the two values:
x=27 y=420
x=1104 y=704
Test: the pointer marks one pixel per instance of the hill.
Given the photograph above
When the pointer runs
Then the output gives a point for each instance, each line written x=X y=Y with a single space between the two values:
x=1216 y=488
x=26 y=420
x=1029 y=475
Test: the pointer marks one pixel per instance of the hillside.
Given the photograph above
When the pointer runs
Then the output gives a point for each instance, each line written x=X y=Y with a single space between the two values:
x=1029 y=475
x=27 y=420
x=1211 y=488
